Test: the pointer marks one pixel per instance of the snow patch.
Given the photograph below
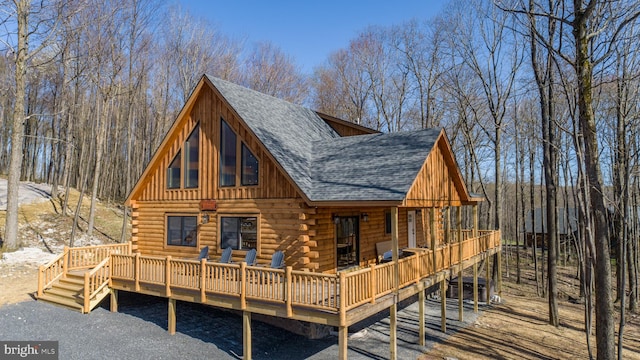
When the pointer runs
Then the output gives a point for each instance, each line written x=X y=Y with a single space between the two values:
x=30 y=255
x=27 y=193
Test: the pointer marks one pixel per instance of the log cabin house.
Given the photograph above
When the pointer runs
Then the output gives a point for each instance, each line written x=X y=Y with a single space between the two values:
x=245 y=170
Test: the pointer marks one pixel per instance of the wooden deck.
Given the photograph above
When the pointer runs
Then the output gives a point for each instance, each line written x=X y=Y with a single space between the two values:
x=337 y=300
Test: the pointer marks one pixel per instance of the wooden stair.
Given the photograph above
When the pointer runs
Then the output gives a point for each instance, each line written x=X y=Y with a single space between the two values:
x=69 y=292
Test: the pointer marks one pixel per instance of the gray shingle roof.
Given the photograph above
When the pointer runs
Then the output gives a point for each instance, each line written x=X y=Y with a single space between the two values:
x=325 y=166
x=370 y=167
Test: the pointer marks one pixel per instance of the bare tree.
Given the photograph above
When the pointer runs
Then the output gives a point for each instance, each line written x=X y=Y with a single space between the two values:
x=32 y=23
x=269 y=70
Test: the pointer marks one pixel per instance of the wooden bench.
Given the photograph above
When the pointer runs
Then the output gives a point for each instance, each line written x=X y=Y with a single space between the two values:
x=381 y=248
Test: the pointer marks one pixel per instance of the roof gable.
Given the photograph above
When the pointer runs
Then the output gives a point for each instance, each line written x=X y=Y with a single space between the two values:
x=287 y=130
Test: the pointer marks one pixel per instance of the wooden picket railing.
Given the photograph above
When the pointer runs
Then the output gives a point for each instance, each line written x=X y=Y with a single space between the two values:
x=329 y=292
x=76 y=258
x=336 y=293
x=94 y=282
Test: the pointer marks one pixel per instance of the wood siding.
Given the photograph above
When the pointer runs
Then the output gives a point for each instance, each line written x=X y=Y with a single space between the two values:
x=435 y=185
x=283 y=225
x=207 y=110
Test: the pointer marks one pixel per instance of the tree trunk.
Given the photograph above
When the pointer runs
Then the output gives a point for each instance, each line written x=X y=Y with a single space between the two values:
x=17 y=138
x=604 y=309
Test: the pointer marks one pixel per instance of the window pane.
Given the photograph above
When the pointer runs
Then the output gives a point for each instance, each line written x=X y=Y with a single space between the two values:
x=229 y=236
x=189 y=230
x=249 y=167
x=387 y=222
x=227 y=155
x=191 y=148
x=182 y=230
x=239 y=233
x=173 y=173
x=249 y=232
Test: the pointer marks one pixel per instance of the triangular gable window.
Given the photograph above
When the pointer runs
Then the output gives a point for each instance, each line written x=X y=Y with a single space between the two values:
x=249 y=167
x=191 y=158
x=173 y=172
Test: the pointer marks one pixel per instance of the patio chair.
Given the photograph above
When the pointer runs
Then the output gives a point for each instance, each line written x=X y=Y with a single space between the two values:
x=277 y=260
x=204 y=253
x=251 y=257
x=226 y=256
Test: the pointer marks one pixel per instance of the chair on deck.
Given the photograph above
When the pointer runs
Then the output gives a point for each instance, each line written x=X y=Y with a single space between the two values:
x=277 y=260
x=204 y=253
x=251 y=257
x=226 y=256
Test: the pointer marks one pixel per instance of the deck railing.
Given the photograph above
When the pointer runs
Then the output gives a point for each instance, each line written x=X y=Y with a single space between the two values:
x=337 y=293
x=95 y=281
x=76 y=258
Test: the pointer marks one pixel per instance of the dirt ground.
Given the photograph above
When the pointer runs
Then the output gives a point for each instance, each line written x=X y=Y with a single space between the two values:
x=17 y=283
x=518 y=328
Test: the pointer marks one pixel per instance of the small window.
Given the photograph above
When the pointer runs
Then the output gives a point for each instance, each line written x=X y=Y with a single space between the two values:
x=182 y=230
x=173 y=173
x=239 y=233
x=227 y=155
x=191 y=151
x=249 y=169
x=387 y=222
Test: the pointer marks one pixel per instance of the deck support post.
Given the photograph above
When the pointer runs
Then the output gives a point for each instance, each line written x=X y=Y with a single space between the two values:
x=203 y=278
x=475 y=286
x=475 y=221
x=499 y=285
x=460 y=297
x=421 y=331
x=342 y=342
x=172 y=317
x=246 y=335
x=114 y=301
x=487 y=264
x=136 y=272
x=443 y=305
x=167 y=276
x=432 y=226
x=393 y=331
x=396 y=283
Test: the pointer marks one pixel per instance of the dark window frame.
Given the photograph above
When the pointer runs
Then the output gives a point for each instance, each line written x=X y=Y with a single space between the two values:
x=387 y=222
x=187 y=236
x=244 y=231
x=189 y=144
x=227 y=178
x=172 y=182
x=246 y=177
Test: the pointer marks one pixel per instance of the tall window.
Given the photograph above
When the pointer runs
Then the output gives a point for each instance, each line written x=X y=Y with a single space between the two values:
x=249 y=167
x=227 y=155
x=182 y=230
x=191 y=150
x=240 y=233
x=387 y=222
x=173 y=173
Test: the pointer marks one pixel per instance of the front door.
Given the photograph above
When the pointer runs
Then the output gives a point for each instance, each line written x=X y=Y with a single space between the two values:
x=347 y=241
x=411 y=228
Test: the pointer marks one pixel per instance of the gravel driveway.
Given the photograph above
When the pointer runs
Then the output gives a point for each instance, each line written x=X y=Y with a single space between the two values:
x=138 y=331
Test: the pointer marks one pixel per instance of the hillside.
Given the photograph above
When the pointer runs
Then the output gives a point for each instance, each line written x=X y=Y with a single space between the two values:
x=44 y=232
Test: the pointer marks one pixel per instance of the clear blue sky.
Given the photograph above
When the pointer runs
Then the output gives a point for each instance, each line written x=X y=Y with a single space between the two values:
x=307 y=30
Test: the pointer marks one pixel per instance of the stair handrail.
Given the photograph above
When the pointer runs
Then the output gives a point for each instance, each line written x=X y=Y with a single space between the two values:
x=52 y=271
x=94 y=281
